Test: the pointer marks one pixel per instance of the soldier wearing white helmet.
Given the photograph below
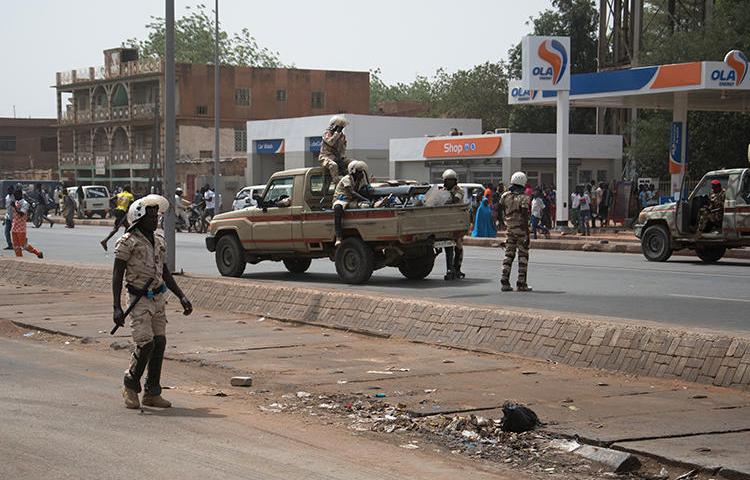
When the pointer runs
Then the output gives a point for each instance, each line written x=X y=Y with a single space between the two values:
x=517 y=208
x=333 y=148
x=454 y=256
x=347 y=194
x=139 y=259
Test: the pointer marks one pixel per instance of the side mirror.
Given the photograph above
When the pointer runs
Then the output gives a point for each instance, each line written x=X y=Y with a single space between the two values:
x=748 y=152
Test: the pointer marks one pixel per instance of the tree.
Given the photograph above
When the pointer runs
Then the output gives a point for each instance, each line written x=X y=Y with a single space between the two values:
x=194 y=42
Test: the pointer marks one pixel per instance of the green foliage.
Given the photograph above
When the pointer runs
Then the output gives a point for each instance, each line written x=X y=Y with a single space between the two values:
x=194 y=42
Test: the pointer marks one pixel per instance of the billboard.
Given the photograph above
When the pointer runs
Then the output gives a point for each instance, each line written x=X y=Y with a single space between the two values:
x=484 y=146
x=269 y=146
x=546 y=63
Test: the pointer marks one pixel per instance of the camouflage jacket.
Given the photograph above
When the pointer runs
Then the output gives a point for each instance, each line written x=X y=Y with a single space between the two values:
x=516 y=207
x=333 y=145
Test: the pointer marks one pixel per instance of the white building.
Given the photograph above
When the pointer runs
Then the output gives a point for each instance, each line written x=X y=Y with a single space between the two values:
x=493 y=158
x=275 y=145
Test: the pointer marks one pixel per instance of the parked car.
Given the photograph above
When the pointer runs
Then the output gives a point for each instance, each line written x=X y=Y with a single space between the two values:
x=247 y=197
x=96 y=201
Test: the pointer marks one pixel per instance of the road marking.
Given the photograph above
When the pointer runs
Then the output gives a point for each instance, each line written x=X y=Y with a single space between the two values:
x=710 y=298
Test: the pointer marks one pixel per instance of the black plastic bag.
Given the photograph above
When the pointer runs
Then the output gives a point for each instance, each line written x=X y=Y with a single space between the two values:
x=518 y=419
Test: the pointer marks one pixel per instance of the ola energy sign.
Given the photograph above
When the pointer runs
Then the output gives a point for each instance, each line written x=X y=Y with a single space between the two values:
x=546 y=63
x=462 y=147
x=731 y=73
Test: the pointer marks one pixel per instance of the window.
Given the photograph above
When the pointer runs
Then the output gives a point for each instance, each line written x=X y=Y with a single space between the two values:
x=281 y=95
x=242 y=97
x=584 y=176
x=206 y=154
x=601 y=175
x=8 y=144
x=704 y=188
x=96 y=192
x=240 y=140
x=201 y=110
x=317 y=184
x=48 y=144
x=278 y=190
x=318 y=100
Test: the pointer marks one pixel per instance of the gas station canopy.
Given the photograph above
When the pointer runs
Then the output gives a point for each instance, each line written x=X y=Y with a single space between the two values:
x=708 y=86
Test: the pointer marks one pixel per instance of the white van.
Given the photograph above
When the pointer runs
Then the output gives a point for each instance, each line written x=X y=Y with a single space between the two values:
x=96 y=201
x=246 y=197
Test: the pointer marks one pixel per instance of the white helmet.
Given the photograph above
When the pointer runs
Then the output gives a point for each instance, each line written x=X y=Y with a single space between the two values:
x=450 y=174
x=138 y=208
x=356 y=166
x=338 y=121
x=519 y=178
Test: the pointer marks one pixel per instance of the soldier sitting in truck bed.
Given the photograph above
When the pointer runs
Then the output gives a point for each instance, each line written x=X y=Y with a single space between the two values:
x=347 y=194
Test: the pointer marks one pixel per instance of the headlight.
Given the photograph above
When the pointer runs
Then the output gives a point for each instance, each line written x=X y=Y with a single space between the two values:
x=642 y=217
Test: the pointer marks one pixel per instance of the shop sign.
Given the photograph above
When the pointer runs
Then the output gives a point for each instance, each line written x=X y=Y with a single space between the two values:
x=546 y=63
x=101 y=165
x=484 y=146
x=315 y=143
x=269 y=146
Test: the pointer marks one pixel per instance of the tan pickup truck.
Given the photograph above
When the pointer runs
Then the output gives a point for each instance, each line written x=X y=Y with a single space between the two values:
x=293 y=223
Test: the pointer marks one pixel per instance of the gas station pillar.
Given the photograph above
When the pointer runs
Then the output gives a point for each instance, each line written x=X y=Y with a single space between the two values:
x=562 y=166
x=678 y=142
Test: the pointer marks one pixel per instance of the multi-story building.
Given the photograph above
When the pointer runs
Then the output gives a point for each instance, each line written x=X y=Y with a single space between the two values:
x=28 y=148
x=110 y=119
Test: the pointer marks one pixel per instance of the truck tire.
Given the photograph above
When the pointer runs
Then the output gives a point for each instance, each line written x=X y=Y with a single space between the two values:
x=230 y=256
x=354 y=261
x=297 y=265
x=417 y=268
x=710 y=254
x=656 y=244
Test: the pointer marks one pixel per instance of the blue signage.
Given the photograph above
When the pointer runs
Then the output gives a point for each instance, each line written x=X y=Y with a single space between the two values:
x=269 y=146
x=315 y=144
x=675 y=148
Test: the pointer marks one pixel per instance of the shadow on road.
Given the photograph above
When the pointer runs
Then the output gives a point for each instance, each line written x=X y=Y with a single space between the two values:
x=202 y=412
x=331 y=279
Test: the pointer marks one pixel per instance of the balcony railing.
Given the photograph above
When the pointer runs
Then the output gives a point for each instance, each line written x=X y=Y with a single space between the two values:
x=67 y=158
x=143 y=111
x=120 y=156
x=101 y=114
x=67 y=117
x=142 y=155
x=125 y=69
x=120 y=113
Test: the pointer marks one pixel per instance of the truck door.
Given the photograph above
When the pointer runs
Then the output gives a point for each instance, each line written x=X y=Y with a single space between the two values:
x=742 y=207
x=272 y=228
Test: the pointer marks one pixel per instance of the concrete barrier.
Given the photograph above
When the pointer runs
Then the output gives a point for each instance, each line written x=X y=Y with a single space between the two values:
x=629 y=346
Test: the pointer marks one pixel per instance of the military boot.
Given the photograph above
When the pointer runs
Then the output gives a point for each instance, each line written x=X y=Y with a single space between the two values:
x=505 y=287
x=457 y=261
x=155 y=401
x=522 y=287
x=131 y=398
x=449 y=264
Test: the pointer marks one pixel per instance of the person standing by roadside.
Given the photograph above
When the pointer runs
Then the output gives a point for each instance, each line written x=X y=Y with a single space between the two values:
x=537 y=212
x=9 y=199
x=69 y=209
x=584 y=208
x=122 y=204
x=81 y=197
x=20 y=208
x=591 y=190
x=575 y=207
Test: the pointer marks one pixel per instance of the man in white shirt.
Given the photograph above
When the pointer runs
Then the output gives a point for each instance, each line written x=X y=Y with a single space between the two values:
x=210 y=198
x=575 y=208
x=9 y=199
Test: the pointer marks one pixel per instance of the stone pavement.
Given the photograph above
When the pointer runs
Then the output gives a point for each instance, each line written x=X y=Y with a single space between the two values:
x=692 y=424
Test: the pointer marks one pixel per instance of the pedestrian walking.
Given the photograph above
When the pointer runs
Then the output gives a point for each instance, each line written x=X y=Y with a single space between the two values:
x=139 y=260
x=584 y=215
x=122 y=204
x=484 y=227
x=537 y=212
x=9 y=199
x=20 y=208
x=210 y=197
x=516 y=206
x=69 y=210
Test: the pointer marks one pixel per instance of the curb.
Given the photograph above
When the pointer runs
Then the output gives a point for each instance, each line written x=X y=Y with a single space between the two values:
x=636 y=348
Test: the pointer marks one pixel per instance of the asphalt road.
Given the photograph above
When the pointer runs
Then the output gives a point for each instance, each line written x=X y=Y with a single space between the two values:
x=683 y=291
x=62 y=418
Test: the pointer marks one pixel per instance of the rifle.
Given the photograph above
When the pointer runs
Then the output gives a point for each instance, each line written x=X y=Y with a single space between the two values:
x=132 y=305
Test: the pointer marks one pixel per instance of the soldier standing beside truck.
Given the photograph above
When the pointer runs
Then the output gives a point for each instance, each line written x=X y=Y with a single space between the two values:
x=333 y=148
x=347 y=194
x=712 y=216
x=454 y=256
x=516 y=206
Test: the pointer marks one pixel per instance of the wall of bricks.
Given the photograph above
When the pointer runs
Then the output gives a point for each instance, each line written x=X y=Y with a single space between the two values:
x=633 y=349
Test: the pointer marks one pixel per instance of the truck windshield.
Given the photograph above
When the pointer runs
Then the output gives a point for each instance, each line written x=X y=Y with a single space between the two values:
x=704 y=188
x=279 y=189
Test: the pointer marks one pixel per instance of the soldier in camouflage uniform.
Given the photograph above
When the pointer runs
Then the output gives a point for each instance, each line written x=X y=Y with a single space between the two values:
x=139 y=257
x=516 y=206
x=453 y=255
x=711 y=217
x=333 y=149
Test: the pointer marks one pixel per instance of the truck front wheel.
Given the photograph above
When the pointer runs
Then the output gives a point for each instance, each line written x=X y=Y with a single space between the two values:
x=655 y=244
x=354 y=261
x=297 y=265
x=710 y=254
x=417 y=268
x=230 y=256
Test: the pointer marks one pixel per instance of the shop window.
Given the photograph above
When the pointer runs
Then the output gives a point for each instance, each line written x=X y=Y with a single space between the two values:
x=48 y=144
x=240 y=140
x=201 y=110
x=206 y=154
x=601 y=175
x=242 y=97
x=584 y=176
x=318 y=100
x=281 y=95
x=8 y=144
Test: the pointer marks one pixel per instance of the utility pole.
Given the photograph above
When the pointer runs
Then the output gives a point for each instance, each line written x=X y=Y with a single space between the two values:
x=217 y=110
x=169 y=135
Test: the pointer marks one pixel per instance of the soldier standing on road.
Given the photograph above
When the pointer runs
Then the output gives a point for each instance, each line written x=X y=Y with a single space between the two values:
x=454 y=256
x=333 y=148
x=347 y=195
x=122 y=204
x=139 y=257
x=516 y=206
x=712 y=216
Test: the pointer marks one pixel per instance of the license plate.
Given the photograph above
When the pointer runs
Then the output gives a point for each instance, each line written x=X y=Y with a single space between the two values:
x=444 y=244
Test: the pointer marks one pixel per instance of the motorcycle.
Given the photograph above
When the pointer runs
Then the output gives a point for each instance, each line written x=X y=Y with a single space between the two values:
x=196 y=219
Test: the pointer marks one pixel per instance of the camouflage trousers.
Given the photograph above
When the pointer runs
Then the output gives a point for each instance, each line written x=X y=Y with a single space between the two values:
x=333 y=168
x=516 y=240
x=709 y=220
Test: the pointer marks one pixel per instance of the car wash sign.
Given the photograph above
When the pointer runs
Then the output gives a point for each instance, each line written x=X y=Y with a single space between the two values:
x=546 y=63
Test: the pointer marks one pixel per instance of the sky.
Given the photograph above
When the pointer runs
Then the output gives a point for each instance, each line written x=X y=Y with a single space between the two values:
x=403 y=38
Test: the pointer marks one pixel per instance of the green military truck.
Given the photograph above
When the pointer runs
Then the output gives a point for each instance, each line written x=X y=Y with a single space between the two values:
x=294 y=223
x=674 y=226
